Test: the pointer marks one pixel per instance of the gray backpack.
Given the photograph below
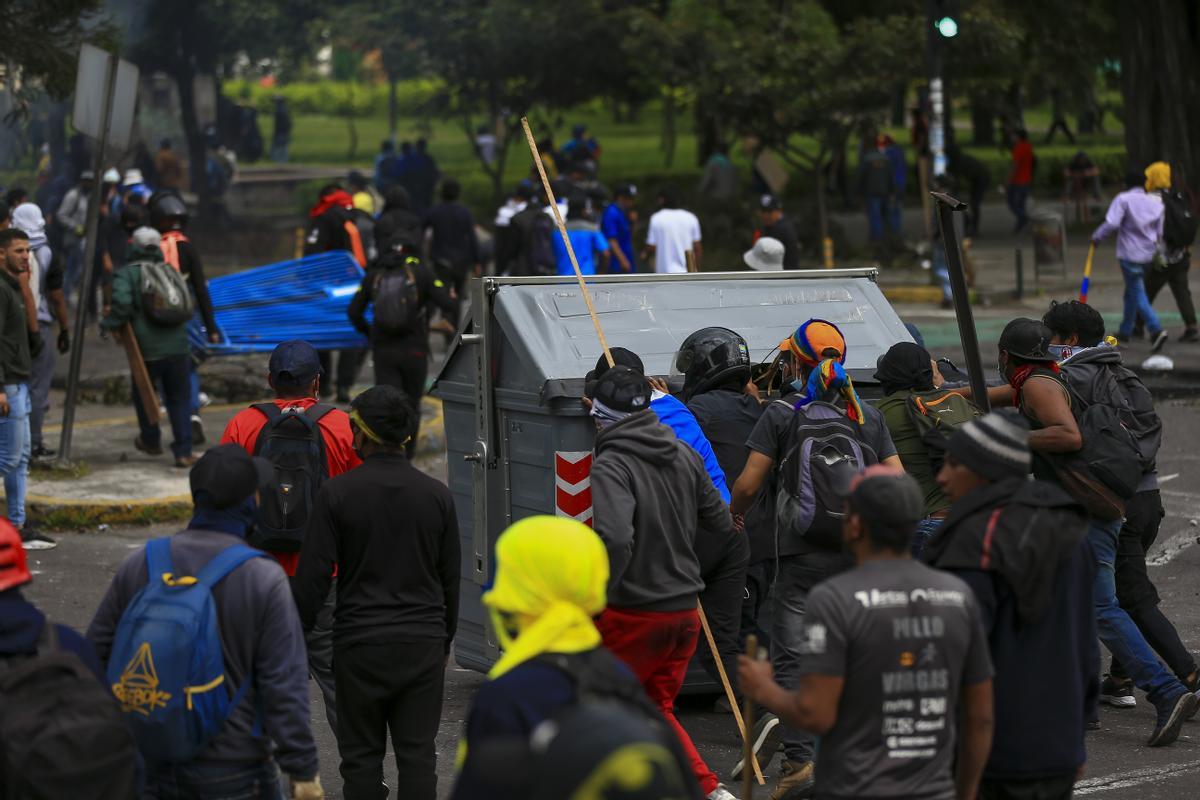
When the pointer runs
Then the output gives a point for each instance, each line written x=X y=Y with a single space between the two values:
x=165 y=297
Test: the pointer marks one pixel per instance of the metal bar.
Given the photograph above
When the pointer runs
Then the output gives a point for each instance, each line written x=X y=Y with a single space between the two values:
x=86 y=287
x=947 y=206
x=871 y=273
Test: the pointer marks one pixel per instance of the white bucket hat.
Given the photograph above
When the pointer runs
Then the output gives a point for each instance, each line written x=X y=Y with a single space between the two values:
x=766 y=255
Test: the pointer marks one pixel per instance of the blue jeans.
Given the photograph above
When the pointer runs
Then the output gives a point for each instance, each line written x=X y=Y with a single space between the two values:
x=797 y=576
x=941 y=270
x=1118 y=632
x=926 y=528
x=172 y=372
x=1018 y=197
x=215 y=782
x=875 y=209
x=1137 y=302
x=895 y=215
x=14 y=450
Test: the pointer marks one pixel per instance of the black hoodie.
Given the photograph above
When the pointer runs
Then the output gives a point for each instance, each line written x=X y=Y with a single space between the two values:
x=1021 y=545
x=651 y=495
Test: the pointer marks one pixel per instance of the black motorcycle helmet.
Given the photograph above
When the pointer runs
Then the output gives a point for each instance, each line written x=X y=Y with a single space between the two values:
x=165 y=205
x=712 y=357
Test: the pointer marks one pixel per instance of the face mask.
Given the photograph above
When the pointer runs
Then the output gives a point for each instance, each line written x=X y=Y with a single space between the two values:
x=1061 y=352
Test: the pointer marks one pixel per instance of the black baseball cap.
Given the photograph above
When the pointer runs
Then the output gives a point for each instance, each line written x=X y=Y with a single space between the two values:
x=621 y=358
x=623 y=389
x=1027 y=338
x=294 y=363
x=227 y=474
x=625 y=190
x=769 y=202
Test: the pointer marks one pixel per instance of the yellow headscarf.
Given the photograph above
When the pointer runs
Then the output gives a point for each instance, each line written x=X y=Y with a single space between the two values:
x=553 y=571
x=1158 y=176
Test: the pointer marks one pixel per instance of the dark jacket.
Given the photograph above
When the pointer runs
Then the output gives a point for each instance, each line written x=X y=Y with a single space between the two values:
x=260 y=635
x=21 y=625
x=397 y=226
x=454 y=244
x=15 y=363
x=651 y=495
x=393 y=534
x=192 y=269
x=156 y=341
x=1021 y=545
x=328 y=232
x=784 y=231
x=431 y=291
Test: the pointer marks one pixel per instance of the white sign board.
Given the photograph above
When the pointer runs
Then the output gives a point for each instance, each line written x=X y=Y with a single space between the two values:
x=91 y=86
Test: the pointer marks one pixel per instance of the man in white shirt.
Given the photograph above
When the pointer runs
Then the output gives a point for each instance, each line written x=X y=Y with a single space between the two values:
x=672 y=232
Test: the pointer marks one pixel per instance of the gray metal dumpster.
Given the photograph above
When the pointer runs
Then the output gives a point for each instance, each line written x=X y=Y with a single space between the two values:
x=518 y=440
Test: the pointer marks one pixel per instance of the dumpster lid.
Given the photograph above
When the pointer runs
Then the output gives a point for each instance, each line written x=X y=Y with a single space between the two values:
x=546 y=319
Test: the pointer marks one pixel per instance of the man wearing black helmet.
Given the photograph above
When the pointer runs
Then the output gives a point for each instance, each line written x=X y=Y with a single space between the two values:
x=715 y=364
x=168 y=214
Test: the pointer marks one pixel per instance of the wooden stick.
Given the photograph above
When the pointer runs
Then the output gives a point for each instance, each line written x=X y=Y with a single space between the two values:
x=141 y=378
x=562 y=229
x=733 y=703
x=748 y=755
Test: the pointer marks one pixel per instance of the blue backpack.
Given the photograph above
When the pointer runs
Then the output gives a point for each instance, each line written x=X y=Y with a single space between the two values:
x=167 y=668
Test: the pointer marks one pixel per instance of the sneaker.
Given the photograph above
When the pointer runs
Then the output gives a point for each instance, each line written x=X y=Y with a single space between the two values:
x=42 y=453
x=205 y=400
x=1190 y=335
x=764 y=740
x=795 y=781
x=1171 y=715
x=32 y=540
x=720 y=793
x=1117 y=693
x=197 y=429
x=1192 y=682
x=150 y=451
x=1157 y=342
x=186 y=462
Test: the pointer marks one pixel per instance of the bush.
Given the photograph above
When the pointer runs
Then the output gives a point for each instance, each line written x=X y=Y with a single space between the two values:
x=334 y=97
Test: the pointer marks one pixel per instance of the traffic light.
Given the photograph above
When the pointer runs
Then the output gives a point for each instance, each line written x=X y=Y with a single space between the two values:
x=947 y=26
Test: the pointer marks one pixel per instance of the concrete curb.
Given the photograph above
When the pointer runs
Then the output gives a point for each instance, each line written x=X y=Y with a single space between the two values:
x=58 y=512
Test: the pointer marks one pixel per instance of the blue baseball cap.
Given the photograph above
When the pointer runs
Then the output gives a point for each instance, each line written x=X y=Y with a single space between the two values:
x=294 y=363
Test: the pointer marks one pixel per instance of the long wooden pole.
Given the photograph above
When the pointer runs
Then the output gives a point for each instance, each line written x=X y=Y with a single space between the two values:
x=587 y=298
x=729 y=695
x=562 y=229
x=748 y=715
x=141 y=377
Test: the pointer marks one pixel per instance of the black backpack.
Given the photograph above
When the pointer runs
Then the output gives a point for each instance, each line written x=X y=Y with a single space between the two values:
x=825 y=452
x=1179 y=223
x=540 y=247
x=61 y=730
x=397 y=299
x=292 y=441
x=1119 y=387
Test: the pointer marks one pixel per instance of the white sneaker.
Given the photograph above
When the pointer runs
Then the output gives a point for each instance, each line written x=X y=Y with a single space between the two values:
x=197 y=430
x=764 y=739
x=32 y=540
x=205 y=400
x=720 y=793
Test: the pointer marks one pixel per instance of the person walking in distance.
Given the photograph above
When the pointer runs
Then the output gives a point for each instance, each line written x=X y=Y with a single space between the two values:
x=617 y=226
x=283 y=431
x=672 y=232
x=885 y=642
x=1020 y=179
x=1179 y=232
x=775 y=225
x=160 y=327
x=238 y=712
x=877 y=187
x=401 y=289
x=1021 y=545
x=1136 y=216
x=393 y=534
x=453 y=245
x=652 y=499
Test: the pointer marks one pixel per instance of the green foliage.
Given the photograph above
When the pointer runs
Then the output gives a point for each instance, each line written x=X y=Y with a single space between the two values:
x=41 y=40
x=331 y=97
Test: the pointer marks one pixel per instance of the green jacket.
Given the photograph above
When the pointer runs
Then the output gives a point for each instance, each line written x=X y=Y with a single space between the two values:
x=15 y=364
x=156 y=341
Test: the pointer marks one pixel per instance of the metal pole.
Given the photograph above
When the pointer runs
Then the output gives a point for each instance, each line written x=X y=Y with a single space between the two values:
x=1019 y=260
x=947 y=206
x=89 y=258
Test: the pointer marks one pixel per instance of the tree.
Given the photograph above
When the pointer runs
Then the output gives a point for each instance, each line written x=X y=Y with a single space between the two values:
x=41 y=44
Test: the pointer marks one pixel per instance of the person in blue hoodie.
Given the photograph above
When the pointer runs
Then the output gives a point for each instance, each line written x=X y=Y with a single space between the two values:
x=722 y=561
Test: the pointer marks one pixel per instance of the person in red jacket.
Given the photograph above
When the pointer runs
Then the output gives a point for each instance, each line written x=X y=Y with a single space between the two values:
x=295 y=376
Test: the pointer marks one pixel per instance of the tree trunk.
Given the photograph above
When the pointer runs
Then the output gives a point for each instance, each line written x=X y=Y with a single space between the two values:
x=351 y=128
x=708 y=135
x=983 y=119
x=1160 y=84
x=668 y=128
x=393 y=107
x=185 y=77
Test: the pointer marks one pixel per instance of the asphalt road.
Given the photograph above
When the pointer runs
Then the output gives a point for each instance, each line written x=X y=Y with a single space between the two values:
x=70 y=580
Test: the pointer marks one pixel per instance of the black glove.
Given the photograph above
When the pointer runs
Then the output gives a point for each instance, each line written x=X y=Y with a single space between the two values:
x=64 y=341
x=36 y=344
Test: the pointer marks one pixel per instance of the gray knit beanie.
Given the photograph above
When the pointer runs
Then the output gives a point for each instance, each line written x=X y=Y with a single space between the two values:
x=995 y=446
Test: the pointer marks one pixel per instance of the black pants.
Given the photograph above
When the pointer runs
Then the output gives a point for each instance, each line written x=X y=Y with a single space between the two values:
x=724 y=589
x=1059 y=788
x=344 y=377
x=406 y=367
x=173 y=374
x=1135 y=590
x=1175 y=276
x=384 y=687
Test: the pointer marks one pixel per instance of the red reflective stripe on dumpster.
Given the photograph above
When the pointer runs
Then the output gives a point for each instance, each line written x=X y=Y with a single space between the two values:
x=573 y=485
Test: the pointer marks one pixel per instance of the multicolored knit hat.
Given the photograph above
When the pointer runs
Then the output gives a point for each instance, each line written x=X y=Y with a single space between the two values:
x=809 y=344
x=812 y=339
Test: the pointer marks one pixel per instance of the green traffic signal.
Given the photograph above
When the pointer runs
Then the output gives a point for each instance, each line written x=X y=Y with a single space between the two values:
x=947 y=27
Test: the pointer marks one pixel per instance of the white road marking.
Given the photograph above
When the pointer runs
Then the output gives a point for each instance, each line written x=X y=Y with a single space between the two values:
x=1137 y=777
x=1166 y=551
x=1170 y=477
